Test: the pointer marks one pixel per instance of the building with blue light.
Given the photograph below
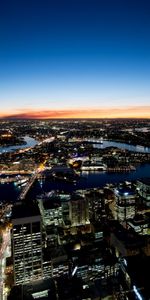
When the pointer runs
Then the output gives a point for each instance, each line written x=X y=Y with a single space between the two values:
x=125 y=203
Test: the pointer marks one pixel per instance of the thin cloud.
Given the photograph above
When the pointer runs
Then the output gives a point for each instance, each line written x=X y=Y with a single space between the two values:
x=104 y=112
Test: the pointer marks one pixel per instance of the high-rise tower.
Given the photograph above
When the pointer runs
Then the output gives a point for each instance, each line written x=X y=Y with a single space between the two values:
x=27 y=244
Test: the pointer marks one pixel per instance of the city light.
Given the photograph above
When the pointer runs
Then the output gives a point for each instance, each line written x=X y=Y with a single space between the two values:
x=74 y=271
x=137 y=293
x=62 y=227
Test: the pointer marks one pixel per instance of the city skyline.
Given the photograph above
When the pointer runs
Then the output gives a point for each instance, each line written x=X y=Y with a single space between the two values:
x=76 y=59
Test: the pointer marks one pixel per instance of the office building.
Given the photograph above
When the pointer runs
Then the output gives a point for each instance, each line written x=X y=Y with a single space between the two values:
x=143 y=188
x=26 y=244
x=125 y=203
x=51 y=210
x=79 y=210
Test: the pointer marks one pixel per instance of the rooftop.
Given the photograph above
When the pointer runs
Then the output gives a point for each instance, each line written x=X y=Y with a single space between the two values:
x=23 y=210
x=125 y=191
x=41 y=290
x=126 y=236
x=52 y=202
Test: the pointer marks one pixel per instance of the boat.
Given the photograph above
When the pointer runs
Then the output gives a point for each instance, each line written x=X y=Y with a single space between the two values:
x=93 y=166
x=22 y=182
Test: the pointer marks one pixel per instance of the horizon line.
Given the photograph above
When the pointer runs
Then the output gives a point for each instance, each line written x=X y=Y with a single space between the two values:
x=104 y=112
x=72 y=118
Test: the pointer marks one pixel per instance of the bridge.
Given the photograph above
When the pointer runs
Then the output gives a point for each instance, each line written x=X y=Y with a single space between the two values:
x=34 y=176
x=48 y=140
x=28 y=186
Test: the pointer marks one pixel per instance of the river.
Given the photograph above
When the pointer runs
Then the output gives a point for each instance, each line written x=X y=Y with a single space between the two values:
x=87 y=180
x=29 y=142
x=129 y=147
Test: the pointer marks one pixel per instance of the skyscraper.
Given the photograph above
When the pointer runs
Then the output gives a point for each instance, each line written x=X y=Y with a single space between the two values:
x=125 y=203
x=27 y=244
x=79 y=210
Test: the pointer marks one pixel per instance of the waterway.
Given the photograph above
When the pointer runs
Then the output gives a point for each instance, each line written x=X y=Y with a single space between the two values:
x=92 y=180
x=10 y=192
x=29 y=142
x=128 y=147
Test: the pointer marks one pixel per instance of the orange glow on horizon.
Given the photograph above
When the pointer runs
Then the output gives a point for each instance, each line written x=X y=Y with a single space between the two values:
x=104 y=112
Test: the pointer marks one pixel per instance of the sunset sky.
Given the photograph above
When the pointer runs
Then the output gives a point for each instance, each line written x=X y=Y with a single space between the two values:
x=75 y=58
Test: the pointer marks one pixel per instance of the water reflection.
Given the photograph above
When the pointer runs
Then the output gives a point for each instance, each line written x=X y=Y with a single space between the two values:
x=129 y=147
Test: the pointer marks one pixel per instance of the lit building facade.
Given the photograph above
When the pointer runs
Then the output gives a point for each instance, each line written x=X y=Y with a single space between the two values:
x=125 y=203
x=79 y=210
x=51 y=211
x=26 y=245
x=143 y=188
x=96 y=205
x=140 y=224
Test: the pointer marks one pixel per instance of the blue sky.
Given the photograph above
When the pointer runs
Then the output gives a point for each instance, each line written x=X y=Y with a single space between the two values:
x=74 y=55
